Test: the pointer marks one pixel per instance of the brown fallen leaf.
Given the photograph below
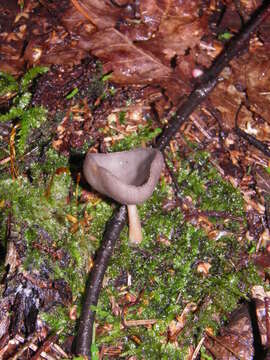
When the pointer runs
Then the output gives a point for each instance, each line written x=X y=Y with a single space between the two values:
x=262 y=302
x=236 y=339
x=177 y=325
x=257 y=71
x=262 y=180
x=203 y=268
x=128 y=62
x=101 y=13
x=140 y=42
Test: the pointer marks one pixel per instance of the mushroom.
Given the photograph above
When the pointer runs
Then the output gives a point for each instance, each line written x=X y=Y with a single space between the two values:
x=129 y=177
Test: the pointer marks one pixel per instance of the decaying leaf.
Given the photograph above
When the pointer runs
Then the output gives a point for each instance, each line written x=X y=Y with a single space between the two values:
x=236 y=339
x=128 y=62
x=177 y=325
x=257 y=72
x=101 y=13
x=262 y=302
x=140 y=43
x=263 y=180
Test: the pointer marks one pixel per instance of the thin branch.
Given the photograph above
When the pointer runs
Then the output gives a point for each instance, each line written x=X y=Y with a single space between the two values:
x=116 y=224
x=45 y=346
x=250 y=138
x=93 y=287
x=253 y=141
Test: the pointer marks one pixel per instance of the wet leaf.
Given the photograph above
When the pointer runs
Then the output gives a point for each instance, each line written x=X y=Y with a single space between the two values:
x=129 y=63
x=262 y=180
x=262 y=302
x=236 y=339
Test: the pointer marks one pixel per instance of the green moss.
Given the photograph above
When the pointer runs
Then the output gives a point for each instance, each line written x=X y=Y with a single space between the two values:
x=30 y=117
x=60 y=323
x=204 y=355
x=200 y=180
x=41 y=216
x=100 y=213
x=144 y=134
x=122 y=117
x=225 y=36
x=150 y=349
x=167 y=273
x=27 y=80
x=8 y=84
x=53 y=161
x=72 y=93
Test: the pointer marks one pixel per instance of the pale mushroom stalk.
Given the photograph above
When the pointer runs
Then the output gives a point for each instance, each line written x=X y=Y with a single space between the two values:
x=134 y=223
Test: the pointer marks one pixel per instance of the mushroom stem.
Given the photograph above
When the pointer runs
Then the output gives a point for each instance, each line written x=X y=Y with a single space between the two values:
x=135 y=229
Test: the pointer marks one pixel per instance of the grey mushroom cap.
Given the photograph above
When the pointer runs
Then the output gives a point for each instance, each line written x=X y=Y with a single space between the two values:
x=129 y=177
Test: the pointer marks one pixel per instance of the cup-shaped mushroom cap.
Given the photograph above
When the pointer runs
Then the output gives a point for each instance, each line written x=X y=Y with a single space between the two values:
x=129 y=177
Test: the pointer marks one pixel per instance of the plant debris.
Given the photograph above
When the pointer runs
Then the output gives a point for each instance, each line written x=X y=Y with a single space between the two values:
x=110 y=76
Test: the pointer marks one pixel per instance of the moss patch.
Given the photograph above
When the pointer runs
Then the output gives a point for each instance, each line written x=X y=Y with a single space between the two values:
x=164 y=273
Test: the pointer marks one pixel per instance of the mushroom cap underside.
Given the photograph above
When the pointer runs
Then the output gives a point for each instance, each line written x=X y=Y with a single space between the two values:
x=129 y=177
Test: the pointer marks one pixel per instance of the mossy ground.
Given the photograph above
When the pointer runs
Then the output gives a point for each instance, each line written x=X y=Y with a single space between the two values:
x=163 y=271
x=166 y=271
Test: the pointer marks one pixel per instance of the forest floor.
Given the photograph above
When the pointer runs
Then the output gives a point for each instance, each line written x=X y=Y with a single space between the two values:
x=106 y=76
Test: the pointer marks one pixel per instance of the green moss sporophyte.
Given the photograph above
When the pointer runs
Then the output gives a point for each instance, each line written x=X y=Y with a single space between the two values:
x=128 y=177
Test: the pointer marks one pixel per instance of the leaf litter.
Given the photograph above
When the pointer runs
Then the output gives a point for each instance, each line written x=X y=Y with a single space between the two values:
x=205 y=229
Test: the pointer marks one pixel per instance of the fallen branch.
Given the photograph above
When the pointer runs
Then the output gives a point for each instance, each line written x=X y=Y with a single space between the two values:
x=93 y=286
x=253 y=141
x=114 y=227
x=250 y=138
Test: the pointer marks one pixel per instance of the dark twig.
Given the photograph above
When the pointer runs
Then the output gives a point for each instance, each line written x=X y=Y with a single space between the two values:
x=93 y=287
x=173 y=177
x=45 y=346
x=114 y=227
x=267 y=320
x=250 y=138
x=267 y=211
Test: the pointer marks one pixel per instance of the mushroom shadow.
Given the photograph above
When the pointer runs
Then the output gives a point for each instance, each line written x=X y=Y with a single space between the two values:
x=2 y=254
x=75 y=165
